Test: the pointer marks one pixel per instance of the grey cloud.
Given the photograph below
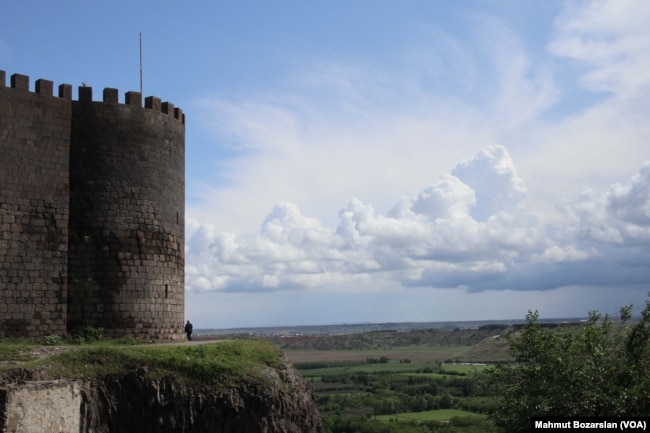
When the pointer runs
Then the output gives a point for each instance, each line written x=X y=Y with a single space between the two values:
x=630 y=202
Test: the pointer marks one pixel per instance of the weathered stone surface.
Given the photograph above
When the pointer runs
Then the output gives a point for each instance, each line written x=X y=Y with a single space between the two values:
x=34 y=196
x=92 y=205
x=126 y=258
x=281 y=403
x=37 y=407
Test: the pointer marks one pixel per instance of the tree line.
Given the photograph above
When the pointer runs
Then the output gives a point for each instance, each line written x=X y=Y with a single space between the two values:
x=599 y=370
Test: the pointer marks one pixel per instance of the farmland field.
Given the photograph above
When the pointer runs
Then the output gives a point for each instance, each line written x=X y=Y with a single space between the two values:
x=399 y=381
x=467 y=345
x=419 y=353
x=429 y=415
x=359 y=395
x=429 y=380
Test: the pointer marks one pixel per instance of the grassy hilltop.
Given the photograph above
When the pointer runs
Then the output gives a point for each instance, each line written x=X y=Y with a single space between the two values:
x=206 y=364
x=107 y=385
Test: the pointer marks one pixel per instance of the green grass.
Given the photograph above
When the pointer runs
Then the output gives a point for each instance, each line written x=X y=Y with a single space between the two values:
x=16 y=350
x=392 y=367
x=450 y=370
x=196 y=364
x=430 y=415
x=488 y=351
x=464 y=368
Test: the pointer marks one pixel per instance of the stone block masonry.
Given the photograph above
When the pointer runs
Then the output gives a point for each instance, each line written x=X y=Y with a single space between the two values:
x=34 y=211
x=91 y=212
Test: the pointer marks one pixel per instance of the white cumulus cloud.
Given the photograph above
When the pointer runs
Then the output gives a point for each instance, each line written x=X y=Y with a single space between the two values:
x=469 y=229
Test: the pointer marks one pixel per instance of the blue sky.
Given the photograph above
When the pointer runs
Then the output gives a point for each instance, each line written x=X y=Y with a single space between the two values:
x=372 y=161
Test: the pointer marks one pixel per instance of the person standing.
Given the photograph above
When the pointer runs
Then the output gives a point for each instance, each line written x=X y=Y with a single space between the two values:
x=188 y=330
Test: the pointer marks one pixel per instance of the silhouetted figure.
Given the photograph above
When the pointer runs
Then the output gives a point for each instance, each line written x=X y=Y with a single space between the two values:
x=188 y=330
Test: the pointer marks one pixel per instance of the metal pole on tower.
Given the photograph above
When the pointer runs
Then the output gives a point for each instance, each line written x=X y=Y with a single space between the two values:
x=140 y=63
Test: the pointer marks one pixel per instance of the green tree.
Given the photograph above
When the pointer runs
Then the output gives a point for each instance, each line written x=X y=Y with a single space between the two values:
x=599 y=370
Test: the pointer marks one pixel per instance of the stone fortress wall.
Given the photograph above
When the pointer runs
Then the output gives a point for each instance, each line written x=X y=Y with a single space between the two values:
x=91 y=212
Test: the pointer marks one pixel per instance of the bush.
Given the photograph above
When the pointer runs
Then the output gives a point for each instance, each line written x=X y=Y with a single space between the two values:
x=52 y=340
x=599 y=371
x=91 y=334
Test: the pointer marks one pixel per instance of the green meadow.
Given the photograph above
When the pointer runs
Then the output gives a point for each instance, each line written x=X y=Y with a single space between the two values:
x=421 y=381
x=429 y=415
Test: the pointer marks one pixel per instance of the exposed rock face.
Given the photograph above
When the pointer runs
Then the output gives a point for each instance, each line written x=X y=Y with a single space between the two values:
x=281 y=403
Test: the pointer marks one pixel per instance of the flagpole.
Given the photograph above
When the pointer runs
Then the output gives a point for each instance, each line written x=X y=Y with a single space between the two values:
x=140 y=63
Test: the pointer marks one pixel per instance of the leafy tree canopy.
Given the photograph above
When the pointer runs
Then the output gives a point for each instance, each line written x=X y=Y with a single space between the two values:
x=599 y=370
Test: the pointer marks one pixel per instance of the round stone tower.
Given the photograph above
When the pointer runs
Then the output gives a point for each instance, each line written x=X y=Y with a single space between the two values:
x=127 y=220
x=92 y=198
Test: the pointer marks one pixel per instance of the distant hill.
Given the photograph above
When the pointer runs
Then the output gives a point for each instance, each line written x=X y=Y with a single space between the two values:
x=391 y=339
x=484 y=341
x=356 y=328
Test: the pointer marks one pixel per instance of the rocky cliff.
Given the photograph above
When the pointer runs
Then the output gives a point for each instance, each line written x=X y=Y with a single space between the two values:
x=280 y=403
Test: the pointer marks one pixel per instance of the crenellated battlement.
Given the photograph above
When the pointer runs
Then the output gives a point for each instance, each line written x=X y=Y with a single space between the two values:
x=92 y=211
x=110 y=96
